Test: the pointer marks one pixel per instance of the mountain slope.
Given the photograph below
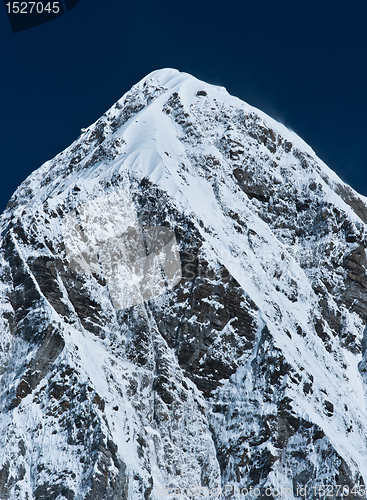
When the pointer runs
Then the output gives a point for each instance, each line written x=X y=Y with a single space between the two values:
x=248 y=371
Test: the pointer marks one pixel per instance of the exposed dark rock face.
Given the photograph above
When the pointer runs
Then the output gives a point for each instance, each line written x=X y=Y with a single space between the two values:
x=249 y=372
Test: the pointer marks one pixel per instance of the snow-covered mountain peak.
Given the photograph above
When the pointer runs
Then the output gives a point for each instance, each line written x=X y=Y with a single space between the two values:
x=184 y=296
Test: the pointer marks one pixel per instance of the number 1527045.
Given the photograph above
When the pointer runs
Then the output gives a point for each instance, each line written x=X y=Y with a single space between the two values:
x=33 y=7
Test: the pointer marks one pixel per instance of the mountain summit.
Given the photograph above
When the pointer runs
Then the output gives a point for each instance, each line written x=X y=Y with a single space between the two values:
x=183 y=304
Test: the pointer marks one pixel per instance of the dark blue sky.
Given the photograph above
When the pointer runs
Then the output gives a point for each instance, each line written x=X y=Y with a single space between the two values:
x=302 y=62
